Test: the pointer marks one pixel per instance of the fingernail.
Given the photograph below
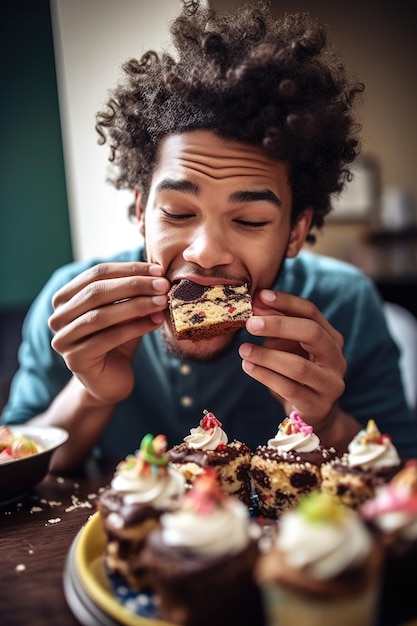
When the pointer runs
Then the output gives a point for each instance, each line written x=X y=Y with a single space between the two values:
x=159 y=300
x=155 y=270
x=267 y=295
x=245 y=350
x=247 y=366
x=160 y=284
x=256 y=323
x=157 y=318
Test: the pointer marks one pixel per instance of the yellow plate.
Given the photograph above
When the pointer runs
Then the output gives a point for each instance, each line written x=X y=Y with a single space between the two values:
x=89 y=565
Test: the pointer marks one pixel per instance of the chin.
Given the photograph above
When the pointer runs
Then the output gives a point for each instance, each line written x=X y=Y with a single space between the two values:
x=199 y=350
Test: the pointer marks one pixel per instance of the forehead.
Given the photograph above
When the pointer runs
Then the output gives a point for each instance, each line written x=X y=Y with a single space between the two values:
x=210 y=159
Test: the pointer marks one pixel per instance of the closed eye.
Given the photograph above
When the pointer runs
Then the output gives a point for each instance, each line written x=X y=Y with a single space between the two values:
x=176 y=216
x=183 y=216
x=247 y=224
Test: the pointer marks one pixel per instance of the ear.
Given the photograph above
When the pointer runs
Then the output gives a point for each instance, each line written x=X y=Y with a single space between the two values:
x=299 y=233
x=140 y=211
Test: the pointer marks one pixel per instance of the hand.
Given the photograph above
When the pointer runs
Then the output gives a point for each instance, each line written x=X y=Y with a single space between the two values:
x=99 y=319
x=301 y=360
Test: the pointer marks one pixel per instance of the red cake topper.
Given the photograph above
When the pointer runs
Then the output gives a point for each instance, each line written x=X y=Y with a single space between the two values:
x=209 y=421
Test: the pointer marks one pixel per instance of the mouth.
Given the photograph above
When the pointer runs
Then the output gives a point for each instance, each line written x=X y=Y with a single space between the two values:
x=208 y=281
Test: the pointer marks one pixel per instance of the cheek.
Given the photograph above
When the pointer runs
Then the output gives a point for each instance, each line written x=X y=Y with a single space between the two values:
x=264 y=263
x=263 y=276
x=160 y=245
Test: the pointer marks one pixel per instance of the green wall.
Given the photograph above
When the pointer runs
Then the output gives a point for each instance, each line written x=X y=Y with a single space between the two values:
x=34 y=225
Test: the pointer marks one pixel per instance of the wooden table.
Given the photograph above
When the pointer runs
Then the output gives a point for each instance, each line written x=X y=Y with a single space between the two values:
x=36 y=533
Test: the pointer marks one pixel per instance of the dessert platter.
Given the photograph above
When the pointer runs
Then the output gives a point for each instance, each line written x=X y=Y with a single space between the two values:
x=95 y=597
x=172 y=530
x=103 y=575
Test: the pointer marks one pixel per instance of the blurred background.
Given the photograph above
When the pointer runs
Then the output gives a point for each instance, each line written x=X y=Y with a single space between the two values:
x=60 y=57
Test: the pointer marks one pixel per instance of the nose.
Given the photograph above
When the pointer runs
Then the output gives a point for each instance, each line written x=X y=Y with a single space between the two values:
x=208 y=247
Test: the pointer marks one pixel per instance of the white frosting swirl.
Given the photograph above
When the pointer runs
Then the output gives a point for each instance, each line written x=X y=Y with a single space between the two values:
x=294 y=434
x=201 y=439
x=299 y=442
x=160 y=491
x=400 y=523
x=394 y=508
x=369 y=454
x=225 y=530
x=372 y=456
x=325 y=548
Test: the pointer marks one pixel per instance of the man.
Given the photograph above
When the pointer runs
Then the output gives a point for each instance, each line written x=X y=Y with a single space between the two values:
x=232 y=150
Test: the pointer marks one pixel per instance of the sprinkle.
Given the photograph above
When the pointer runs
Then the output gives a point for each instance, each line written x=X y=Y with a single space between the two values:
x=209 y=421
x=20 y=568
x=54 y=520
x=371 y=435
x=294 y=424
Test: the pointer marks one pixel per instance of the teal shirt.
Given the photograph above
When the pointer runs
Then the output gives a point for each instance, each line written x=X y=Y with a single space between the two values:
x=169 y=395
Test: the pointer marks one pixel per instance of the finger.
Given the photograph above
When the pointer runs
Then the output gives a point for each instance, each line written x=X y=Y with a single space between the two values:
x=118 y=313
x=104 y=293
x=290 y=368
x=104 y=271
x=321 y=345
x=311 y=403
x=72 y=340
x=269 y=302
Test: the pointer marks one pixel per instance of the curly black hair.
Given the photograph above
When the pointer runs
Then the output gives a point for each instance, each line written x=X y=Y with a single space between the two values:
x=246 y=76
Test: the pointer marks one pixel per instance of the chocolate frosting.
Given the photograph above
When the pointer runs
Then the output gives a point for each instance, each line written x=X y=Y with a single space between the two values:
x=183 y=453
x=111 y=501
x=316 y=457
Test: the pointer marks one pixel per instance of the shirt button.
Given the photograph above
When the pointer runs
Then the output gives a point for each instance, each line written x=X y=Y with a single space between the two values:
x=187 y=401
x=185 y=369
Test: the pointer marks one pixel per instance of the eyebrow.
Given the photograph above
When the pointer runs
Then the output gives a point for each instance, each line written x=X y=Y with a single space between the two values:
x=173 y=184
x=237 y=197
x=256 y=195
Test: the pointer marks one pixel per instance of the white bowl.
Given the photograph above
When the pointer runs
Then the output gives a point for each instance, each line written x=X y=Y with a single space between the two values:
x=18 y=476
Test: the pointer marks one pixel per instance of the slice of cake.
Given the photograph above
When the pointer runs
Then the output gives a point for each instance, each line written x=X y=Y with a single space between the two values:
x=202 y=558
x=143 y=487
x=371 y=461
x=200 y=312
x=288 y=467
x=208 y=446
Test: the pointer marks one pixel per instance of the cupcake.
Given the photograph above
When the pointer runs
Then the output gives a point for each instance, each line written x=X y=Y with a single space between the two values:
x=322 y=569
x=288 y=467
x=208 y=446
x=392 y=517
x=143 y=487
x=201 y=560
x=371 y=460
